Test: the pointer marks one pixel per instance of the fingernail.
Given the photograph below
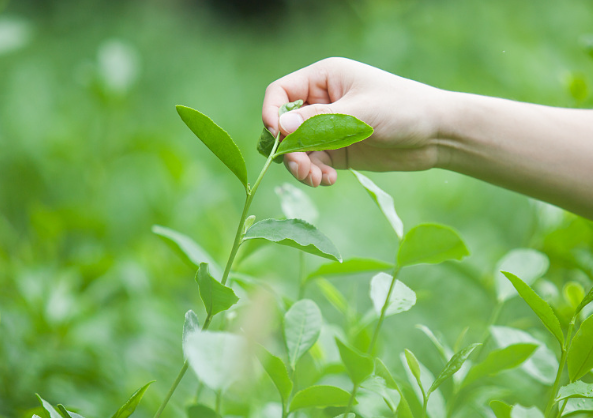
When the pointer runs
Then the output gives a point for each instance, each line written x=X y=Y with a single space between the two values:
x=272 y=131
x=294 y=168
x=325 y=178
x=310 y=181
x=290 y=121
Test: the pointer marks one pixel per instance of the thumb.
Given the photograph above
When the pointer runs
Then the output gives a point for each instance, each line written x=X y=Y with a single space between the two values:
x=290 y=121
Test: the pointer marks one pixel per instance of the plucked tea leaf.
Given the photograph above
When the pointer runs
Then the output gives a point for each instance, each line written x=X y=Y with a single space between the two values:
x=265 y=145
x=578 y=389
x=430 y=244
x=276 y=369
x=319 y=396
x=294 y=233
x=325 y=132
x=351 y=266
x=501 y=409
x=580 y=354
x=538 y=305
x=542 y=365
x=216 y=139
x=519 y=411
x=500 y=360
x=586 y=300
x=217 y=358
x=129 y=407
x=359 y=366
x=201 y=411
x=216 y=296
x=526 y=263
x=187 y=249
x=296 y=204
x=402 y=297
x=302 y=326
x=453 y=366
x=191 y=324
x=287 y=107
x=384 y=201
x=49 y=408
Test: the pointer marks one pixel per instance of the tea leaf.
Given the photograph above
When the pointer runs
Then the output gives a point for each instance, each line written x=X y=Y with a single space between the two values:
x=519 y=411
x=580 y=405
x=48 y=407
x=217 y=358
x=296 y=204
x=216 y=139
x=382 y=371
x=413 y=365
x=436 y=402
x=443 y=350
x=526 y=263
x=216 y=296
x=333 y=295
x=191 y=324
x=574 y=294
x=586 y=300
x=500 y=360
x=351 y=266
x=265 y=145
x=186 y=248
x=453 y=366
x=325 y=132
x=580 y=354
x=430 y=244
x=539 y=306
x=68 y=414
x=276 y=369
x=287 y=107
x=129 y=407
x=402 y=297
x=302 y=326
x=578 y=389
x=377 y=385
x=319 y=396
x=501 y=409
x=201 y=411
x=294 y=233
x=542 y=365
x=359 y=366
x=384 y=201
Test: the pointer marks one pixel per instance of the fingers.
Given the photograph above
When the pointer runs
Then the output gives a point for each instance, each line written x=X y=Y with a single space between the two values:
x=312 y=169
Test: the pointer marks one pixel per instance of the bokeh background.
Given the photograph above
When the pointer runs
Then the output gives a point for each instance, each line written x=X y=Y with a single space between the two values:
x=92 y=154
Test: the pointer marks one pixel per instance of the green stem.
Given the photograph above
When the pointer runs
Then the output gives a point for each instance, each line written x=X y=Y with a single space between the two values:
x=350 y=401
x=383 y=312
x=218 y=401
x=236 y=244
x=562 y=409
x=172 y=389
x=424 y=403
x=551 y=403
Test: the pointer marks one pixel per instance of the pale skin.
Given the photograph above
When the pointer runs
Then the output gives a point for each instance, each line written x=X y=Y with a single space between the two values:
x=543 y=152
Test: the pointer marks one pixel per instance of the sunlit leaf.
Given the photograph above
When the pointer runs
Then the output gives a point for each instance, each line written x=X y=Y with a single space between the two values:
x=68 y=414
x=430 y=244
x=580 y=354
x=402 y=297
x=201 y=411
x=377 y=385
x=359 y=366
x=413 y=365
x=542 y=365
x=525 y=263
x=189 y=251
x=191 y=324
x=216 y=296
x=501 y=409
x=578 y=405
x=519 y=411
x=325 y=132
x=538 y=305
x=436 y=403
x=578 y=389
x=500 y=360
x=216 y=139
x=384 y=201
x=320 y=396
x=573 y=293
x=350 y=266
x=217 y=358
x=276 y=369
x=586 y=300
x=382 y=371
x=453 y=366
x=296 y=204
x=49 y=408
x=294 y=233
x=302 y=326
x=129 y=407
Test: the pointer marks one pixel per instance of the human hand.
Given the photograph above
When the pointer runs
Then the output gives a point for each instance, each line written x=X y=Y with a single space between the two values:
x=406 y=116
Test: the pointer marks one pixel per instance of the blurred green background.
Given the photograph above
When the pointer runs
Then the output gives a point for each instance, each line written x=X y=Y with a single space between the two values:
x=92 y=154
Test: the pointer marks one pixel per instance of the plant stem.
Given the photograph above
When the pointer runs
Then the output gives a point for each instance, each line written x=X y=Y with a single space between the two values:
x=383 y=312
x=172 y=389
x=551 y=403
x=350 y=401
x=562 y=409
x=424 y=403
x=218 y=401
x=236 y=244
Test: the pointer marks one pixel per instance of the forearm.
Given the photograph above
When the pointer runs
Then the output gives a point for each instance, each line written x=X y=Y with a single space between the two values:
x=541 y=151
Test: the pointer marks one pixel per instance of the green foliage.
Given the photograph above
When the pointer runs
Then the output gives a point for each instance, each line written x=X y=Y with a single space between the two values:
x=359 y=366
x=294 y=233
x=539 y=306
x=276 y=369
x=580 y=355
x=453 y=366
x=586 y=300
x=216 y=296
x=131 y=404
x=296 y=204
x=319 y=396
x=402 y=298
x=302 y=326
x=201 y=411
x=578 y=389
x=501 y=409
x=414 y=366
x=325 y=132
x=431 y=244
x=526 y=263
x=265 y=145
x=350 y=266
x=383 y=201
x=216 y=139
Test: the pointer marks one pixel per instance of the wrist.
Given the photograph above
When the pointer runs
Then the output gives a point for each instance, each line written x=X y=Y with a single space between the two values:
x=452 y=118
